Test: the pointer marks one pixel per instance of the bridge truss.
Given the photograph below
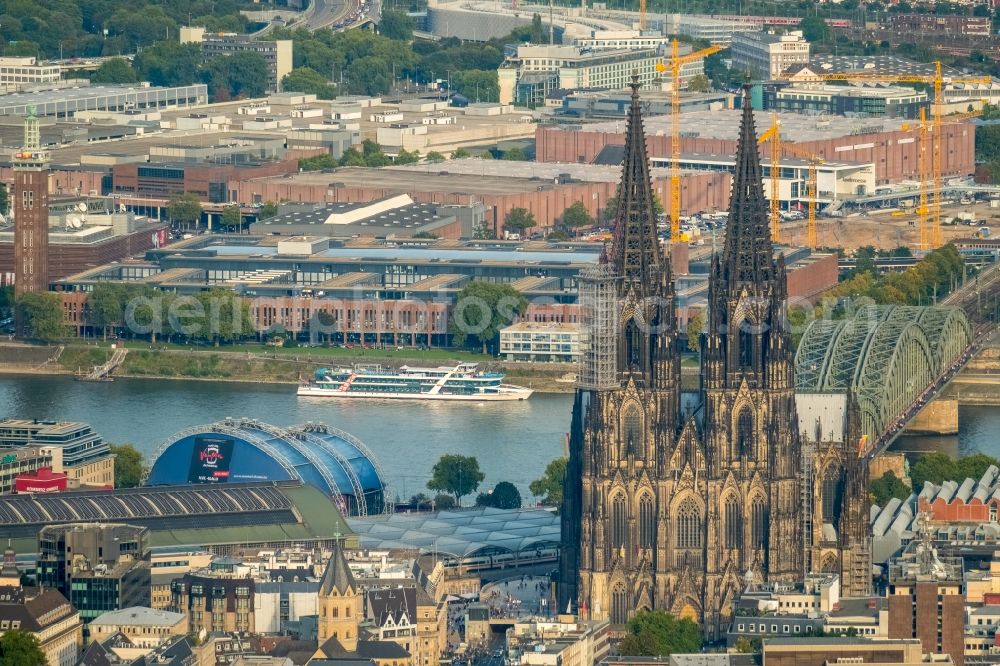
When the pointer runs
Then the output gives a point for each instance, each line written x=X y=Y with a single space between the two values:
x=887 y=354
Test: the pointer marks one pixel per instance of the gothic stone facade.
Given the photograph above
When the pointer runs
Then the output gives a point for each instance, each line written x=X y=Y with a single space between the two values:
x=678 y=509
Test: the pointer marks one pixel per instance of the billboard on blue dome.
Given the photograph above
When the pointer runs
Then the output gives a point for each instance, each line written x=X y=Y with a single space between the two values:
x=247 y=451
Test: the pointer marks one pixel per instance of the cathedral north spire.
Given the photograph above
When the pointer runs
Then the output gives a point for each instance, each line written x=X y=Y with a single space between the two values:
x=636 y=249
x=747 y=255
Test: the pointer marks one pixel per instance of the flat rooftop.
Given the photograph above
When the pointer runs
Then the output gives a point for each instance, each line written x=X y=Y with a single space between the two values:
x=420 y=254
x=141 y=145
x=591 y=173
x=401 y=181
x=725 y=124
x=514 y=125
x=882 y=64
x=67 y=95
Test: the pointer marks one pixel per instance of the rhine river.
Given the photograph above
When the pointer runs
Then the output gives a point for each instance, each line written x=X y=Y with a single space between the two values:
x=513 y=441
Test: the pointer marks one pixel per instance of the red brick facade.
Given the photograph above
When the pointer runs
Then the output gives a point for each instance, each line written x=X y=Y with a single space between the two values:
x=894 y=154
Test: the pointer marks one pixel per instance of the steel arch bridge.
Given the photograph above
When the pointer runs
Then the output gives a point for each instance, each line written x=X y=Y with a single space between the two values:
x=886 y=354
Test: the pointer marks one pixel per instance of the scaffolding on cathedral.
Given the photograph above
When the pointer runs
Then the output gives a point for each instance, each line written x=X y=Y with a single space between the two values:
x=807 y=503
x=598 y=300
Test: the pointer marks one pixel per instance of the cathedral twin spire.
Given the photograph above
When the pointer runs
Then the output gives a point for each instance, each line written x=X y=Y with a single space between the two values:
x=747 y=254
x=636 y=250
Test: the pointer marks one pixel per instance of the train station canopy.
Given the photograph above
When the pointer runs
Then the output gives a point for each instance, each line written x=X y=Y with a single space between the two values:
x=460 y=533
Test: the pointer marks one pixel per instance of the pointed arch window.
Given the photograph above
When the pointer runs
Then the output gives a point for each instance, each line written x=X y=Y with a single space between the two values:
x=746 y=345
x=833 y=494
x=619 y=604
x=734 y=523
x=632 y=431
x=647 y=521
x=758 y=523
x=744 y=433
x=633 y=344
x=619 y=521
x=688 y=525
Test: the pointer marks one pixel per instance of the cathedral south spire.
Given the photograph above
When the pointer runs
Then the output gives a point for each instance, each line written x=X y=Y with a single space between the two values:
x=747 y=255
x=636 y=250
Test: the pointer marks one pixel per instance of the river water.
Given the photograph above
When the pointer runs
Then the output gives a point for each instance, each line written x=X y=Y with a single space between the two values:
x=513 y=441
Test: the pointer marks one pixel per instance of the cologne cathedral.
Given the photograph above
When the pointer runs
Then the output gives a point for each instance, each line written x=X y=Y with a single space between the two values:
x=679 y=505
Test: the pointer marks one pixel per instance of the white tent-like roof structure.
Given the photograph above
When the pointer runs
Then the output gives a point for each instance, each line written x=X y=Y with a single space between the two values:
x=461 y=533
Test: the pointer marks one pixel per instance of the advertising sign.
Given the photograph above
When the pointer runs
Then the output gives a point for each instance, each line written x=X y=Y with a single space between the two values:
x=210 y=460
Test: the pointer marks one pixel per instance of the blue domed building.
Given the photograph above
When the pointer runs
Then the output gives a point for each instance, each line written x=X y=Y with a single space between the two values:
x=248 y=451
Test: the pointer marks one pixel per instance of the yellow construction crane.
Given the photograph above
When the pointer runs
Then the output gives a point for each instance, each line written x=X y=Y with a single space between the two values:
x=811 y=192
x=674 y=65
x=774 y=135
x=933 y=235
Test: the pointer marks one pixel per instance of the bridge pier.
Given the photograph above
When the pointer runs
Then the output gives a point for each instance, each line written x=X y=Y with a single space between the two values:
x=939 y=417
x=888 y=461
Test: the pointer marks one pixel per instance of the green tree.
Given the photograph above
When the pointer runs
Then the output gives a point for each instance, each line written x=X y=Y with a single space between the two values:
x=184 y=208
x=434 y=157
x=444 y=502
x=4 y=199
x=886 y=487
x=6 y=297
x=221 y=317
x=577 y=216
x=460 y=153
x=456 y=474
x=231 y=217
x=973 y=466
x=115 y=70
x=106 y=307
x=234 y=76
x=696 y=324
x=549 y=488
x=18 y=648
x=477 y=85
x=352 y=157
x=320 y=162
x=42 y=316
x=309 y=81
x=699 y=83
x=514 y=154
x=482 y=309
x=518 y=219
x=169 y=64
x=814 y=28
x=396 y=25
x=129 y=466
x=268 y=210
x=504 y=495
x=407 y=157
x=659 y=634
x=370 y=76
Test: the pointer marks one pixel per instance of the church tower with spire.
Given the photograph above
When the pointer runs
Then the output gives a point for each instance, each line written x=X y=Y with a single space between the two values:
x=671 y=511
x=748 y=396
x=339 y=602
x=616 y=517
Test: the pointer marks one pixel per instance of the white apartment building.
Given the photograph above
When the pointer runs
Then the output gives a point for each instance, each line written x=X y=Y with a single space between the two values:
x=765 y=55
x=277 y=53
x=26 y=71
x=543 y=342
x=527 y=76
x=713 y=30
x=634 y=40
